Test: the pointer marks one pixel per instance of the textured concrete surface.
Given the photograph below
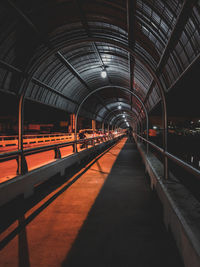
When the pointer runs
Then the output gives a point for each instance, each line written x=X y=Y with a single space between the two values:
x=181 y=210
x=104 y=216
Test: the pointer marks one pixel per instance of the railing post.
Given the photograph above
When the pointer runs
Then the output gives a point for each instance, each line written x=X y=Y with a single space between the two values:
x=165 y=132
x=147 y=129
x=166 y=166
x=22 y=167
x=75 y=146
x=102 y=128
x=22 y=164
x=57 y=153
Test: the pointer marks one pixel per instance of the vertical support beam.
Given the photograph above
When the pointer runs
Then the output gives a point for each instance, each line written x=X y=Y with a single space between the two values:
x=22 y=164
x=75 y=150
x=72 y=123
x=93 y=129
x=102 y=128
x=93 y=125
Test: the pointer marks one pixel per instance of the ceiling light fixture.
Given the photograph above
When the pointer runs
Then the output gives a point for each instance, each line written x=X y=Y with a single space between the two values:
x=119 y=107
x=103 y=74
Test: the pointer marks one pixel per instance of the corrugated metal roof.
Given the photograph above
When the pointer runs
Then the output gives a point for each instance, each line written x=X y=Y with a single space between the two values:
x=33 y=32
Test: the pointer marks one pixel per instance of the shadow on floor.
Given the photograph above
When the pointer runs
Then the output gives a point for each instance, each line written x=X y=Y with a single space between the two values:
x=124 y=227
x=16 y=209
x=23 y=250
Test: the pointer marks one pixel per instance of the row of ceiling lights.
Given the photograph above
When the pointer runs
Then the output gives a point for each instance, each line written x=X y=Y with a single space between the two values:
x=104 y=75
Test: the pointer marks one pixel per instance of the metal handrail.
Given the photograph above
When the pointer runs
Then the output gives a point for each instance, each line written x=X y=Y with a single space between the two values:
x=36 y=135
x=174 y=158
x=29 y=151
x=10 y=141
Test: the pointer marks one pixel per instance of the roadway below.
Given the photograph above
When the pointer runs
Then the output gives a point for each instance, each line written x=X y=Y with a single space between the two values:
x=15 y=148
x=104 y=215
x=9 y=168
x=34 y=161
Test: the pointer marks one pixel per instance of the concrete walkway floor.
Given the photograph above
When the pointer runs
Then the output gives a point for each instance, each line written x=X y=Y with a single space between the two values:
x=104 y=216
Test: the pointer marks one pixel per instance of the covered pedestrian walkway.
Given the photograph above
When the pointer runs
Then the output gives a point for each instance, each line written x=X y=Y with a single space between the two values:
x=107 y=66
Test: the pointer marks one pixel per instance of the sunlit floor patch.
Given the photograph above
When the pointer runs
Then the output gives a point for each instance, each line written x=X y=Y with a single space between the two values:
x=48 y=238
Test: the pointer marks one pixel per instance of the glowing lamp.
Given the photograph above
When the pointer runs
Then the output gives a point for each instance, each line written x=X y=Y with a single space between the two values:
x=103 y=74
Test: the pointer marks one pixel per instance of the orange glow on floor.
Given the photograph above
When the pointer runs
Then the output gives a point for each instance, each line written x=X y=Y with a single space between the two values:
x=48 y=238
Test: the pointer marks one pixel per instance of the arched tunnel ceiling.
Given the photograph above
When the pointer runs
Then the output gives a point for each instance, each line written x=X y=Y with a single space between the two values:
x=42 y=40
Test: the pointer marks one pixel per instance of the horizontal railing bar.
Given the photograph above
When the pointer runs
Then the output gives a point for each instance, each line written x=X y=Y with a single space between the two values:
x=183 y=164
x=31 y=151
x=41 y=134
x=13 y=137
x=16 y=152
x=13 y=155
x=174 y=158
x=161 y=150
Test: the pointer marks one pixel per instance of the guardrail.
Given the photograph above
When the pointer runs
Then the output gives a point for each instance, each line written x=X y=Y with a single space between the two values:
x=7 y=141
x=180 y=207
x=26 y=183
x=172 y=157
x=20 y=155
